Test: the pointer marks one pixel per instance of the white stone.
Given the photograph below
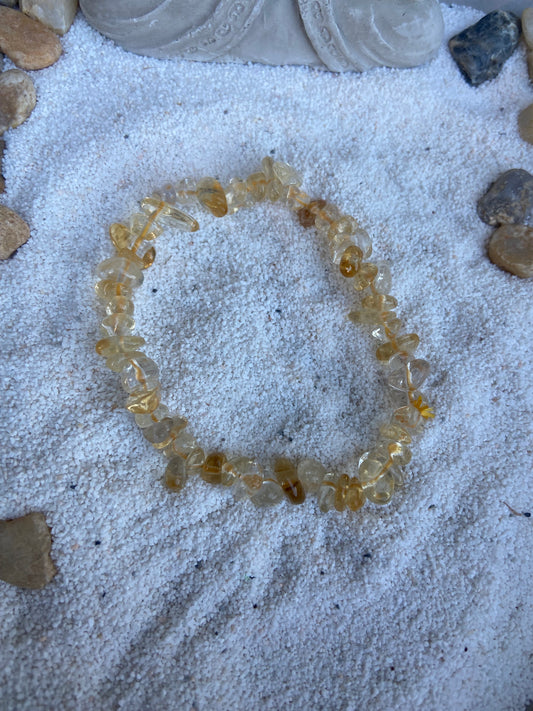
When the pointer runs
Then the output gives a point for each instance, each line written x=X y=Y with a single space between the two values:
x=339 y=35
x=58 y=15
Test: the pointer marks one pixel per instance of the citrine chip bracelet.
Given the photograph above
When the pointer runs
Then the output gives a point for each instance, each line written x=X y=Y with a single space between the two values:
x=380 y=470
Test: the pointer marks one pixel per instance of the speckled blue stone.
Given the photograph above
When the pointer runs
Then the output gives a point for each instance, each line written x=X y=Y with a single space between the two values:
x=481 y=50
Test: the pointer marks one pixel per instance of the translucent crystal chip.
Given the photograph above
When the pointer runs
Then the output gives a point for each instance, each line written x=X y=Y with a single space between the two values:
x=379 y=302
x=211 y=469
x=144 y=228
x=117 y=325
x=340 y=492
x=350 y=261
x=112 y=345
x=140 y=374
x=256 y=186
x=109 y=288
x=383 y=279
x=182 y=445
x=143 y=402
x=361 y=238
x=327 y=492
x=176 y=474
x=156 y=416
x=382 y=490
x=311 y=473
x=269 y=494
x=119 y=305
x=407 y=374
x=211 y=195
x=287 y=477
x=364 y=276
x=286 y=174
x=120 y=269
x=394 y=432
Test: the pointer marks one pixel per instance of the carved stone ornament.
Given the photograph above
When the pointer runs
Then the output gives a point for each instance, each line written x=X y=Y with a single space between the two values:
x=339 y=35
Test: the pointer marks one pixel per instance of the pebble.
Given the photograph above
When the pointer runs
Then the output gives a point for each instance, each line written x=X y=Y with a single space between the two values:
x=28 y=43
x=481 y=50
x=25 y=545
x=511 y=248
x=527 y=26
x=525 y=124
x=508 y=200
x=17 y=98
x=2 y=179
x=58 y=15
x=14 y=232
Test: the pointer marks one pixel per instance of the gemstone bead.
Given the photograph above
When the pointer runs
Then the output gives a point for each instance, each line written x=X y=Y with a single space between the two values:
x=119 y=305
x=354 y=497
x=287 y=477
x=383 y=279
x=350 y=261
x=120 y=236
x=268 y=494
x=407 y=375
x=169 y=216
x=307 y=215
x=176 y=474
x=185 y=192
x=120 y=269
x=237 y=196
x=107 y=289
x=327 y=492
x=117 y=325
x=361 y=238
x=395 y=432
x=340 y=492
x=311 y=473
x=379 y=302
x=160 y=413
x=405 y=344
x=256 y=186
x=211 y=470
x=211 y=195
x=144 y=401
x=112 y=345
x=139 y=375
x=364 y=276
x=382 y=490
x=286 y=174
x=143 y=227
x=159 y=434
x=183 y=444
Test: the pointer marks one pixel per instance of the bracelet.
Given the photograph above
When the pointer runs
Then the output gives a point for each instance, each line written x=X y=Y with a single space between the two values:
x=381 y=468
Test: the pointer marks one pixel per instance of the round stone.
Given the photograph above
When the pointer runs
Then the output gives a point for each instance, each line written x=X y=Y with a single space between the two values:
x=511 y=248
x=508 y=200
x=28 y=43
x=525 y=124
x=17 y=98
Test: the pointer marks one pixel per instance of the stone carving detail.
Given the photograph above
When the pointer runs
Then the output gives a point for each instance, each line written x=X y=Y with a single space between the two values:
x=339 y=35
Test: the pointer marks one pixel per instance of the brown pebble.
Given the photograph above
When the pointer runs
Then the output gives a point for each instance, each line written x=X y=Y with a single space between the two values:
x=2 y=180
x=511 y=248
x=25 y=545
x=28 y=43
x=14 y=232
x=17 y=98
x=525 y=124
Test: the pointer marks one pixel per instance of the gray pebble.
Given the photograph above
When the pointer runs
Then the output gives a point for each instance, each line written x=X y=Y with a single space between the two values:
x=481 y=50
x=508 y=200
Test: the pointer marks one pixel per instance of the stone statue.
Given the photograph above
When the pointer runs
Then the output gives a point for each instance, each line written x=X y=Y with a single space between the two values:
x=339 y=35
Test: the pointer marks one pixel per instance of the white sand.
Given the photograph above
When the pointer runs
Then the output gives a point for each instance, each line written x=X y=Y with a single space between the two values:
x=197 y=601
